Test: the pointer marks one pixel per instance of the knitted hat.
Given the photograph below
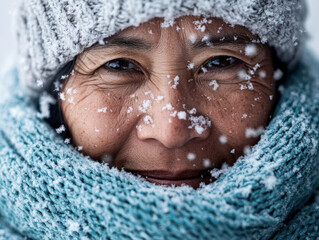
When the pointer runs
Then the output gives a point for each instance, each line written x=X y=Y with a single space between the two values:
x=52 y=32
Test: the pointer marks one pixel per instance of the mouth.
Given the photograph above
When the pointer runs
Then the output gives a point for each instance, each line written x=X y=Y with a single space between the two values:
x=191 y=178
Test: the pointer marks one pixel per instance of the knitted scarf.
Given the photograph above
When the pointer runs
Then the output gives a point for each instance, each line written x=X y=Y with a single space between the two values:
x=48 y=190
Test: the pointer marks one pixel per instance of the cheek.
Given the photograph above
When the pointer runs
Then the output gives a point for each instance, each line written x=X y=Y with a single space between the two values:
x=237 y=113
x=96 y=122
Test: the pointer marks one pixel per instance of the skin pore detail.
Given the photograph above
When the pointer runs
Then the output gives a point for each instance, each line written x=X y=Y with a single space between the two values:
x=171 y=102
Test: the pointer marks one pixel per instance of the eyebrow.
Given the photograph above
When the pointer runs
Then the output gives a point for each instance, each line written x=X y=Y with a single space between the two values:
x=128 y=42
x=223 y=40
x=140 y=44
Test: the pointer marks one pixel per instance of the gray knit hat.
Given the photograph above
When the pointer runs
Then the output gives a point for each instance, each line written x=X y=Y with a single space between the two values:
x=52 y=32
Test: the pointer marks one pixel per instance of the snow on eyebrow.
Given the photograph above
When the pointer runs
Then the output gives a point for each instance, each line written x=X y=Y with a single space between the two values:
x=251 y=50
x=278 y=74
x=214 y=84
x=253 y=133
x=191 y=156
x=192 y=37
x=167 y=23
x=200 y=24
x=102 y=110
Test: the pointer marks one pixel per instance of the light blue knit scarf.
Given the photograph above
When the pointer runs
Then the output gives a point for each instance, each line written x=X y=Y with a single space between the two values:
x=50 y=191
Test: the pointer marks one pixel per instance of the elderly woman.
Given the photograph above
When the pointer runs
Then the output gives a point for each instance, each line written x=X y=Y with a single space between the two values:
x=156 y=120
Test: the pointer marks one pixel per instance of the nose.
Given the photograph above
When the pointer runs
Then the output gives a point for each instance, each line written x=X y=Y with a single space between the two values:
x=172 y=124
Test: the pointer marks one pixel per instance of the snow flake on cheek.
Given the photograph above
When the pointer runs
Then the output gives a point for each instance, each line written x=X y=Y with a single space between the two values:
x=223 y=139
x=191 y=156
x=206 y=162
x=102 y=110
x=214 y=84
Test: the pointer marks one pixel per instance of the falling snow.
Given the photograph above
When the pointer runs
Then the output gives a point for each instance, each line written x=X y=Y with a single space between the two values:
x=278 y=74
x=191 y=156
x=223 y=139
x=251 y=50
x=181 y=115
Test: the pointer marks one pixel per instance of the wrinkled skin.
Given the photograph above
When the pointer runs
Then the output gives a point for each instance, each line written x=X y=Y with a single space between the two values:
x=134 y=111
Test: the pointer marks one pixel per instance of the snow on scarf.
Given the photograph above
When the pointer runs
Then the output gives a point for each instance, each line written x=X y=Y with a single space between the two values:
x=50 y=191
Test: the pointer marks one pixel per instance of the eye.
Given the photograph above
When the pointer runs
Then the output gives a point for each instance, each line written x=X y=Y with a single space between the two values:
x=121 y=64
x=220 y=62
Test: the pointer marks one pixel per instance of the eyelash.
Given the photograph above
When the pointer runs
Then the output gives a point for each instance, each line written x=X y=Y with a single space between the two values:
x=203 y=69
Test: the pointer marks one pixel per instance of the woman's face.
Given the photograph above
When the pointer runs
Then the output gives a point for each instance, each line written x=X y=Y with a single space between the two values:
x=171 y=102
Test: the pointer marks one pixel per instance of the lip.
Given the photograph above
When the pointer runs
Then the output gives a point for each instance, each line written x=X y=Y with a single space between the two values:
x=192 y=178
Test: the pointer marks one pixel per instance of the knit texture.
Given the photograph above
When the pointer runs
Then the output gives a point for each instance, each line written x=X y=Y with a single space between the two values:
x=50 y=191
x=51 y=32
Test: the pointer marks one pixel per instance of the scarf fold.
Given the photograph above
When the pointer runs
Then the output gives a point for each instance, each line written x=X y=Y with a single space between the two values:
x=50 y=191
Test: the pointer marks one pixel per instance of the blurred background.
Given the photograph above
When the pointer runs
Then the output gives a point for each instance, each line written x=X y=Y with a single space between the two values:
x=7 y=40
